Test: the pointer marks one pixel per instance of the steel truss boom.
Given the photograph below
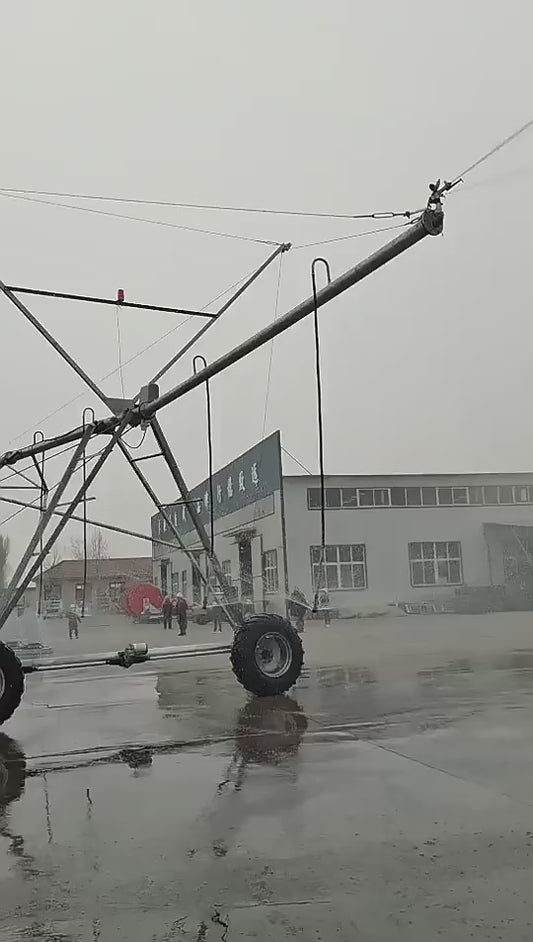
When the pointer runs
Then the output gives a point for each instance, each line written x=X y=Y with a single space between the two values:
x=430 y=223
x=148 y=402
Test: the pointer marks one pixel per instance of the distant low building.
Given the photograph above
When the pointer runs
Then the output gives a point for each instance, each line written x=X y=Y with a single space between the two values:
x=106 y=581
x=411 y=541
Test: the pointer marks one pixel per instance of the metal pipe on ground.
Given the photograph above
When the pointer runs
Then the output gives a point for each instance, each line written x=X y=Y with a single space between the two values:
x=109 y=658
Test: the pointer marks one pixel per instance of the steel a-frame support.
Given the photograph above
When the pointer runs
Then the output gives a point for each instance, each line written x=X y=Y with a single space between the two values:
x=17 y=588
x=429 y=223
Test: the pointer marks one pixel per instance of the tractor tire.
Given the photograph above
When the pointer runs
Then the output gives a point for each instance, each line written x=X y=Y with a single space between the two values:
x=267 y=655
x=11 y=682
x=12 y=771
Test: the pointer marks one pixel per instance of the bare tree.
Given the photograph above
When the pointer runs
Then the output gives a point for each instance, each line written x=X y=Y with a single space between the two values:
x=97 y=550
x=53 y=559
x=4 y=554
x=97 y=547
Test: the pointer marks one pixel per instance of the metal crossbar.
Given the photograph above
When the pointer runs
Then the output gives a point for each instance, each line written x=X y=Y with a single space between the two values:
x=144 y=408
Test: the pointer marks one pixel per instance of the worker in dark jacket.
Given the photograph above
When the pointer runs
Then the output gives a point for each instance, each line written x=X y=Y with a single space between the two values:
x=167 y=612
x=298 y=608
x=182 y=607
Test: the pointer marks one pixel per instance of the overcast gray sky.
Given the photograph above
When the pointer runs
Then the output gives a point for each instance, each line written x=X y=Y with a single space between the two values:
x=297 y=104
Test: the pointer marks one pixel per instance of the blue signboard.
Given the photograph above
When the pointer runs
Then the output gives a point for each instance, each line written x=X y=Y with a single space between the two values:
x=254 y=475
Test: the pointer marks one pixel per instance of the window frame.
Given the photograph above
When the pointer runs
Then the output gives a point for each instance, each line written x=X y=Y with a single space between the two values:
x=460 y=495
x=112 y=587
x=434 y=560
x=270 y=571
x=321 y=580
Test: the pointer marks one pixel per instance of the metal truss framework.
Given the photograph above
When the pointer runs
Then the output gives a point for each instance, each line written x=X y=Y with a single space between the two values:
x=143 y=411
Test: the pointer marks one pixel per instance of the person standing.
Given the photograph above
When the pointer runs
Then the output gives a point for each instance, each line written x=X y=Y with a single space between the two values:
x=217 y=618
x=167 y=613
x=298 y=606
x=324 y=605
x=182 y=607
x=74 y=621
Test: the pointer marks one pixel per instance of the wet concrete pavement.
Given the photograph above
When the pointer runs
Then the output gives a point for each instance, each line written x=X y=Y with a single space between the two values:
x=390 y=797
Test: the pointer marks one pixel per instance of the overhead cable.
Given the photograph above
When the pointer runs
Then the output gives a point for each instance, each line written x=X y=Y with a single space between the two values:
x=151 y=222
x=354 y=235
x=387 y=214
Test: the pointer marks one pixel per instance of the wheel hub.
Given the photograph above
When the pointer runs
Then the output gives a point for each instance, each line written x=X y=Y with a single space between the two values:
x=273 y=654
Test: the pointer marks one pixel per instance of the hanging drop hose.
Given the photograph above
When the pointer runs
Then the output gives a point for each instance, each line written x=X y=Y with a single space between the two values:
x=320 y=420
x=209 y=458
x=84 y=469
x=38 y=436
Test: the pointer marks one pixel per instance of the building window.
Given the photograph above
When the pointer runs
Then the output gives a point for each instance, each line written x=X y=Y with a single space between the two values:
x=473 y=495
x=381 y=497
x=445 y=496
x=505 y=494
x=116 y=590
x=349 y=497
x=460 y=495
x=366 y=497
x=333 y=497
x=397 y=496
x=52 y=591
x=184 y=583
x=435 y=563
x=175 y=581
x=313 y=498
x=521 y=494
x=226 y=569
x=490 y=494
x=345 y=567
x=270 y=571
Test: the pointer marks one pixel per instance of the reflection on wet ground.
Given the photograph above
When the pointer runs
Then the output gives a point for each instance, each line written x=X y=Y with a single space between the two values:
x=372 y=803
x=327 y=703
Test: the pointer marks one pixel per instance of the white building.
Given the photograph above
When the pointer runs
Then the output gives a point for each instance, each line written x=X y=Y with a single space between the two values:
x=390 y=538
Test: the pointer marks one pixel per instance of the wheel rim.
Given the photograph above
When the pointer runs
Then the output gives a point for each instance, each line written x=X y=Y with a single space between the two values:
x=2 y=683
x=273 y=654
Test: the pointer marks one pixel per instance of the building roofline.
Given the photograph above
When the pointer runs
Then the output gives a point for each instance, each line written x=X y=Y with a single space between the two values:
x=413 y=475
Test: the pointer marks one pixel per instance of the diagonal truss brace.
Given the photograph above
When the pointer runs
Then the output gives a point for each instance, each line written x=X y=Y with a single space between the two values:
x=16 y=592
x=430 y=223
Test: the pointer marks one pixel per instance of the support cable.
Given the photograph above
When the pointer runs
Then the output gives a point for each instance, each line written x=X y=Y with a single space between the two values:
x=271 y=353
x=320 y=421
x=119 y=350
x=38 y=435
x=388 y=214
x=151 y=222
x=203 y=361
x=90 y=410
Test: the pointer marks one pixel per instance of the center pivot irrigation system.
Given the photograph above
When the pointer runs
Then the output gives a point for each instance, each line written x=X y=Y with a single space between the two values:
x=266 y=652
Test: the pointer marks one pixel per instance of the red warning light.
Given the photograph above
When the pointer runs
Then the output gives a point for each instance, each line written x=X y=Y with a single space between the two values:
x=120 y=295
